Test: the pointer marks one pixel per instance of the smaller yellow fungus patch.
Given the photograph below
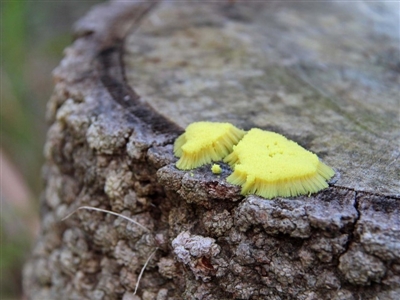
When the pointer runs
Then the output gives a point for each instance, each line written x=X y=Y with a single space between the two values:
x=216 y=169
x=204 y=142
x=269 y=165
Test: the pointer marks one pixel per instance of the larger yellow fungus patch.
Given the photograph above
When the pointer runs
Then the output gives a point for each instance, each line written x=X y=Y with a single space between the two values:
x=269 y=165
x=263 y=162
x=204 y=142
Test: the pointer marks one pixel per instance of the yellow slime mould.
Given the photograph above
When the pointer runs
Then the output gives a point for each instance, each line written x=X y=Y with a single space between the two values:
x=216 y=169
x=269 y=165
x=263 y=162
x=204 y=142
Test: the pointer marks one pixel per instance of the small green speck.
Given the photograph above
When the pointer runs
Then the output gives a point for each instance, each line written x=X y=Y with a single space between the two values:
x=216 y=169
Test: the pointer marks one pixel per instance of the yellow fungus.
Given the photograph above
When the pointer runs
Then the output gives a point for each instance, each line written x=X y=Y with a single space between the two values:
x=269 y=165
x=216 y=169
x=204 y=142
x=264 y=163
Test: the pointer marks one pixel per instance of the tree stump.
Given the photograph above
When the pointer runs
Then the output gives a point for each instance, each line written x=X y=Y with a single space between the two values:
x=325 y=74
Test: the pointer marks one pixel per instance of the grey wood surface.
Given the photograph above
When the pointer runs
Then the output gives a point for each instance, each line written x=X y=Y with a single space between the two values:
x=325 y=74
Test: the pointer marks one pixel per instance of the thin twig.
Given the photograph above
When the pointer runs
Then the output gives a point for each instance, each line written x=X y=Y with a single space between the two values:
x=109 y=212
x=144 y=267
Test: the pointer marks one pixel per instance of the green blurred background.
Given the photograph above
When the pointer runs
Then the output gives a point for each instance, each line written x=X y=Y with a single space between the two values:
x=33 y=36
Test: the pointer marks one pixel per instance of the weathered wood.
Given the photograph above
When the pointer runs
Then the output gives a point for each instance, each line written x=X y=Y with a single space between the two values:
x=324 y=74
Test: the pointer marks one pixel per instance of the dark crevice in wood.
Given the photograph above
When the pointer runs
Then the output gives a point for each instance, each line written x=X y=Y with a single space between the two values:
x=366 y=192
x=351 y=231
x=113 y=79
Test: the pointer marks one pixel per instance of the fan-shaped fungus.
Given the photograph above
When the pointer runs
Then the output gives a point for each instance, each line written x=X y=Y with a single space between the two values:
x=269 y=165
x=204 y=142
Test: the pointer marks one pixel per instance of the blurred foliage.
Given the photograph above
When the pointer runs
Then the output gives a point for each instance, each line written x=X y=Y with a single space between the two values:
x=18 y=136
x=13 y=254
x=33 y=35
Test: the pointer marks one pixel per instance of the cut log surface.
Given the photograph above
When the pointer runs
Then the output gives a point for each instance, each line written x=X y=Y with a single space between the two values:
x=324 y=74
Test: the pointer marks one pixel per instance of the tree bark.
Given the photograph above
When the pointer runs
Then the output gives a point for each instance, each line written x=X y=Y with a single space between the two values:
x=323 y=74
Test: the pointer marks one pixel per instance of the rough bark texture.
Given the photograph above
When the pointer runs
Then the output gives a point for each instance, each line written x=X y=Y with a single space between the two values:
x=286 y=67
